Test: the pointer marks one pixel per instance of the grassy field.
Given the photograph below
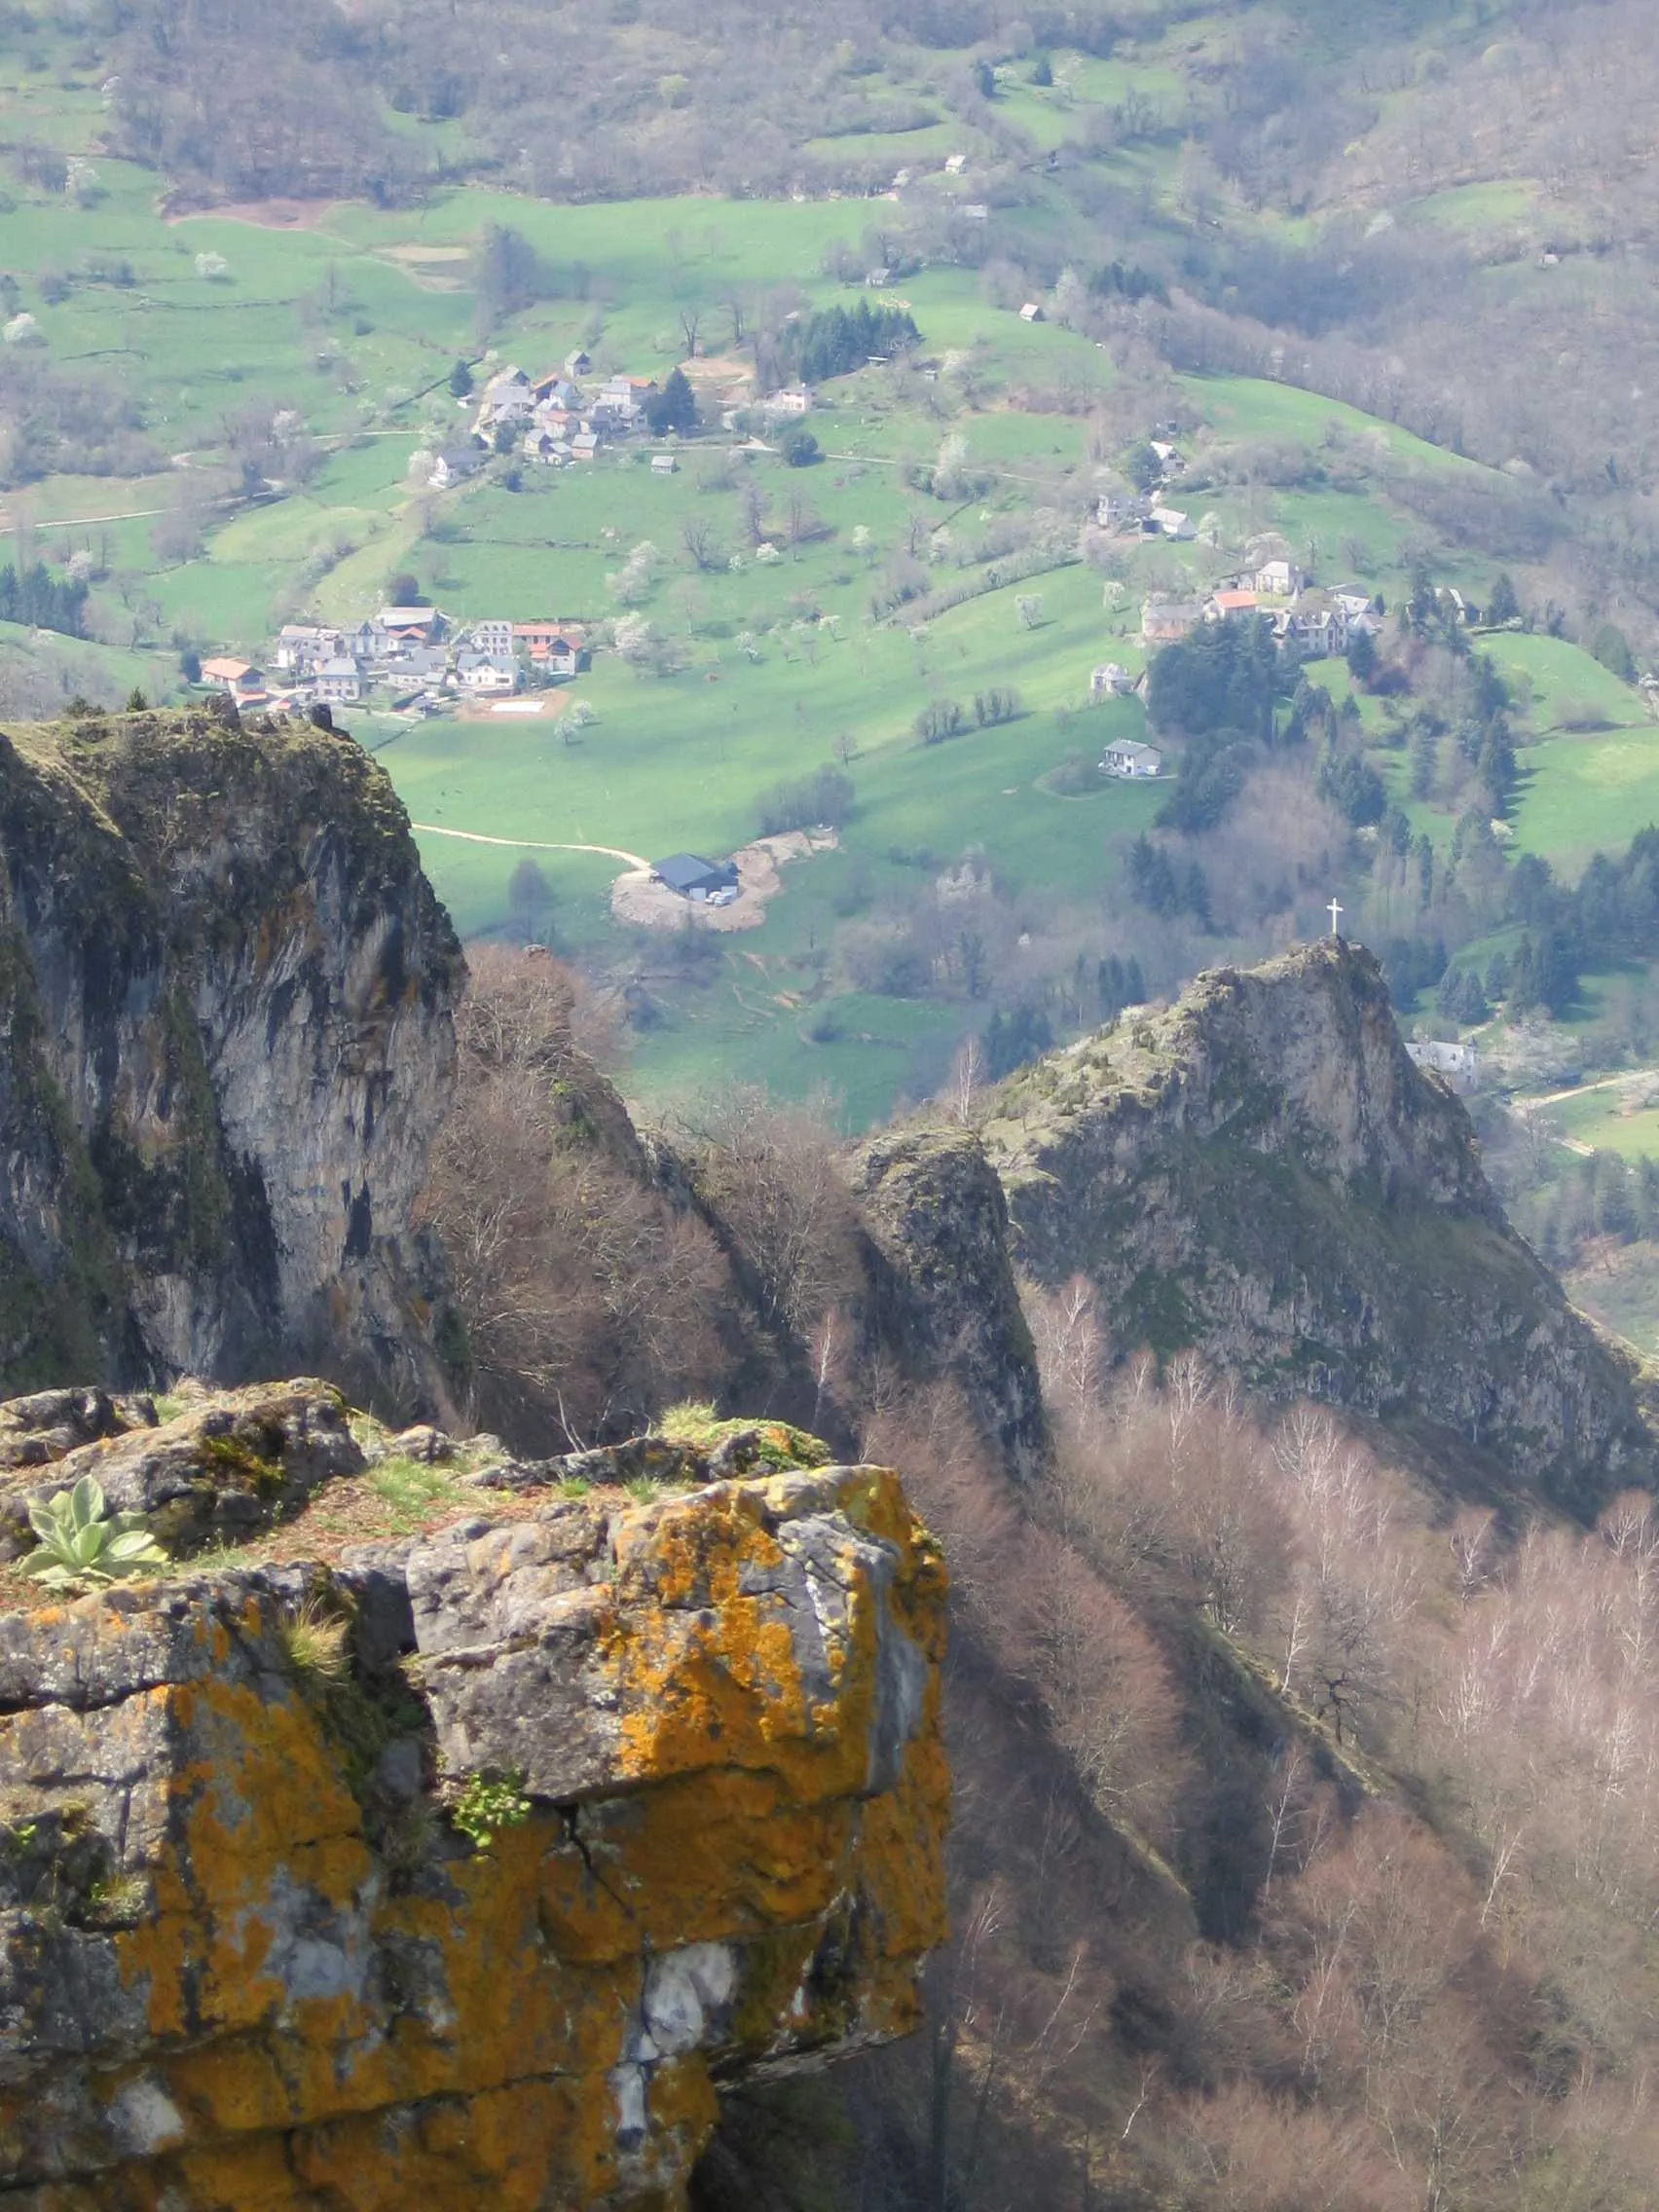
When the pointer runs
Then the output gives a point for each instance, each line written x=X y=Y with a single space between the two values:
x=1621 y=1289
x=1614 y=1119
x=1585 y=794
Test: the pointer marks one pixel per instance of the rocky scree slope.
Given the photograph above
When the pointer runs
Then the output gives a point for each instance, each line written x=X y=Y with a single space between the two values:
x=1262 y=1173
x=226 y=998
x=462 y=1869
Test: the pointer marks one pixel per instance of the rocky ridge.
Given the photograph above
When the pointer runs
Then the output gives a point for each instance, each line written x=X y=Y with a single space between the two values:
x=460 y=1869
x=1261 y=1174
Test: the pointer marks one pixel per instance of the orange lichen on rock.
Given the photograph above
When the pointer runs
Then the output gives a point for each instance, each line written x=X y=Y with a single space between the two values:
x=693 y=1749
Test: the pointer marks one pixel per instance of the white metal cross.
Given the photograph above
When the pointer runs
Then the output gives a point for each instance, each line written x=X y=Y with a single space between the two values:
x=1336 y=913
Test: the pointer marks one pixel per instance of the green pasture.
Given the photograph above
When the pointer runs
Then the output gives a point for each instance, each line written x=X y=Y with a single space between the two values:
x=77 y=664
x=1621 y=1289
x=1562 y=687
x=1477 y=208
x=1253 y=407
x=1600 y=1118
x=925 y=144
x=1585 y=794
x=737 y=1029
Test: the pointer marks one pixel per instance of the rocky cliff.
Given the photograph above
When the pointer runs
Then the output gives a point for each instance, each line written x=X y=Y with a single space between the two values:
x=458 y=1870
x=1262 y=1172
x=940 y=1295
x=225 y=1000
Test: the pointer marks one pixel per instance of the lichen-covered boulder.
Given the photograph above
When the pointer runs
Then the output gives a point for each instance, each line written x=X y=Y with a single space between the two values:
x=47 y=1425
x=460 y=1874
x=230 y=1463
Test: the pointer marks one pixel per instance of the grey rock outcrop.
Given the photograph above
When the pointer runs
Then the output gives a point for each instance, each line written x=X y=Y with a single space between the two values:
x=225 y=991
x=1262 y=1173
x=942 y=1291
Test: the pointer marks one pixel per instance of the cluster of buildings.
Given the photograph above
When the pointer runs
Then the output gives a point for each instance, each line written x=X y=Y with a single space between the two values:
x=1310 y=622
x=560 y=418
x=554 y=419
x=1148 y=514
x=412 y=658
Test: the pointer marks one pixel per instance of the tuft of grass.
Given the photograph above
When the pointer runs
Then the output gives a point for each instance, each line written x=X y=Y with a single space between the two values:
x=315 y=1642
x=411 y=1491
x=646 y=1490
x=687 y=1423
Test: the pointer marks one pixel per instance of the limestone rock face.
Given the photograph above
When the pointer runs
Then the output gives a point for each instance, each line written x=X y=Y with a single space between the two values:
x=1262 y=1173
x=460 y=1874
x=225 y=999
x=943 y=1292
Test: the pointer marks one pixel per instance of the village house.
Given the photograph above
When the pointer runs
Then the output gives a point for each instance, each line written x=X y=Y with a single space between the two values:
x=796 y=401
x=1174 y=523
x=409 y=625
x=506 y=398
x=1112 y=509
x=955 y=163
x=545 y=444
x=418 y=664
x=1313 y=627
x=1279 y=579
x=1110 y=681
x=238 y=678
x=577 y=364
x=1354 y=600
x=454 y=466
x=584 y=445
x=339 y=682
x=1031 y=311
x=485 y=673
x=620 y=401
x=663 y=465
x=1164 y=621
x=493 y=638
x=1222 y=605
x=300 y=646
x=554 y=647
x=1458 y=1064
x=1130 y=760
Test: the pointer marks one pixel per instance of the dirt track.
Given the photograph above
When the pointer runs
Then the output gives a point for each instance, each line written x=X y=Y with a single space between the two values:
x=527 y=844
